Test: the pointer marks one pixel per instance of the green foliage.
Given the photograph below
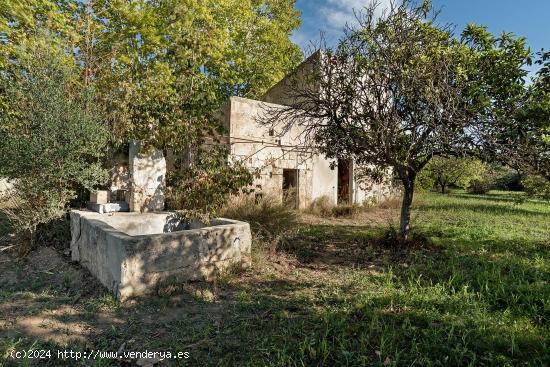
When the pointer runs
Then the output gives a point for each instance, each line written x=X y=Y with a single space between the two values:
x=468 y=173
x=199 y=190
x=514 y=117
x=495 y=177
x=442 y=172
x=504 y=178
x=537 y=187
x=395 y=92
x=164 y=68
x=534 y=120
x=22 y=20
x=53 y=140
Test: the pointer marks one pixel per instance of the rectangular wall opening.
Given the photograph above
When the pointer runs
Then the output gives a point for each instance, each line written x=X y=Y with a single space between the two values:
x=290 y=187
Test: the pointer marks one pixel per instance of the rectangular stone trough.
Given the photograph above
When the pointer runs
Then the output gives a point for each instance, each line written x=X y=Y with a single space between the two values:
x=131 y=253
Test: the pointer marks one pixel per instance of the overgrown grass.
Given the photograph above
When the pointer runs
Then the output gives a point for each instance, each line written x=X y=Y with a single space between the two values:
x=325 y=208
x=477 y=294
x=271 y=222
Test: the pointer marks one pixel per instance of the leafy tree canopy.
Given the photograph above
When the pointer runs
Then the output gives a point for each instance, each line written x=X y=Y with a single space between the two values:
x=165 y=66
x=162 y=69
x=440 y=173
x=534 y=120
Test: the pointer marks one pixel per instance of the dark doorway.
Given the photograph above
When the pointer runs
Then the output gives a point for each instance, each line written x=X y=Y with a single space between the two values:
x=290 y=187
x=344 y=180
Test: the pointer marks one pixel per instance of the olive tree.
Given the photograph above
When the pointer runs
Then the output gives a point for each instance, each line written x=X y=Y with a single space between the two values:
x=52 y=137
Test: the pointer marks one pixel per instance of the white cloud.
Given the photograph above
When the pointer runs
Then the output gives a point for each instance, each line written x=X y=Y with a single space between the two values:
x=300 y=38
x=329 y=17
x=339 y=13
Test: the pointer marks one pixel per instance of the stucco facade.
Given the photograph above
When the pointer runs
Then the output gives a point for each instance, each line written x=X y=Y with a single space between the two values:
x=282 y=160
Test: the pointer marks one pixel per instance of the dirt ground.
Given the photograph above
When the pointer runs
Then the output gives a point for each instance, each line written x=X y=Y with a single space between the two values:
x=49 y=301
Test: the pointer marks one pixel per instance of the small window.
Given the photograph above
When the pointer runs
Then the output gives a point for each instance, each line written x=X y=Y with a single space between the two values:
x=271 y=132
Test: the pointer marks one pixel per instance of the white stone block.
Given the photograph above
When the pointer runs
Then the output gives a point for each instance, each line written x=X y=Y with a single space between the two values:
x=148 y=179
x=99 y=197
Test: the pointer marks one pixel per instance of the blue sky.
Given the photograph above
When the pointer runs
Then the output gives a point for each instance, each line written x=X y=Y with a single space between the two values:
x=529 y=18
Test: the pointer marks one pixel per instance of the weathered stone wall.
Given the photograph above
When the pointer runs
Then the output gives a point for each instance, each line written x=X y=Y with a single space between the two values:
x=269 y=153
x=5 y=186
x=365 y=190
x=119 y=177
x=302 y=78
x=147 y=168
x=157 y=251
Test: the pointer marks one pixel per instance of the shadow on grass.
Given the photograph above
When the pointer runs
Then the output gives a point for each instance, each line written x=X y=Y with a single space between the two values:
x=451 y=309
x=492 y=209
x=346 y=300
x=355 y=246
x=509 y=197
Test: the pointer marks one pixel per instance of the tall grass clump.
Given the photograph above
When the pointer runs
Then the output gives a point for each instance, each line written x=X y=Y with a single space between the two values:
x=346 y=210
x=321 y=207
x=271 y=221
x=390 y=202
x=325 y=208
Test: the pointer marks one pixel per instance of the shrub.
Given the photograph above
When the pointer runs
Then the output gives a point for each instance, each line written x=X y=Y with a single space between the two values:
x=56 y=233
x=53 y=139
x=199 y=190
x=537 y=187
x=496 y=177
x=505 y=178
x=479 y=187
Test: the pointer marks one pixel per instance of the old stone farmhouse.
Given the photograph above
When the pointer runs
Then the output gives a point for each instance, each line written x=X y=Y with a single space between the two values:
x=284 y=167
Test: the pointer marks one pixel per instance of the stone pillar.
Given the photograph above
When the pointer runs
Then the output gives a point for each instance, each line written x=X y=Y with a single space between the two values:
x=147 y=178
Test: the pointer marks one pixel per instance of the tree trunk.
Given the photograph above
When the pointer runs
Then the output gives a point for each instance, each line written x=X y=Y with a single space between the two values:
x=404 y=225
x=442 y=188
